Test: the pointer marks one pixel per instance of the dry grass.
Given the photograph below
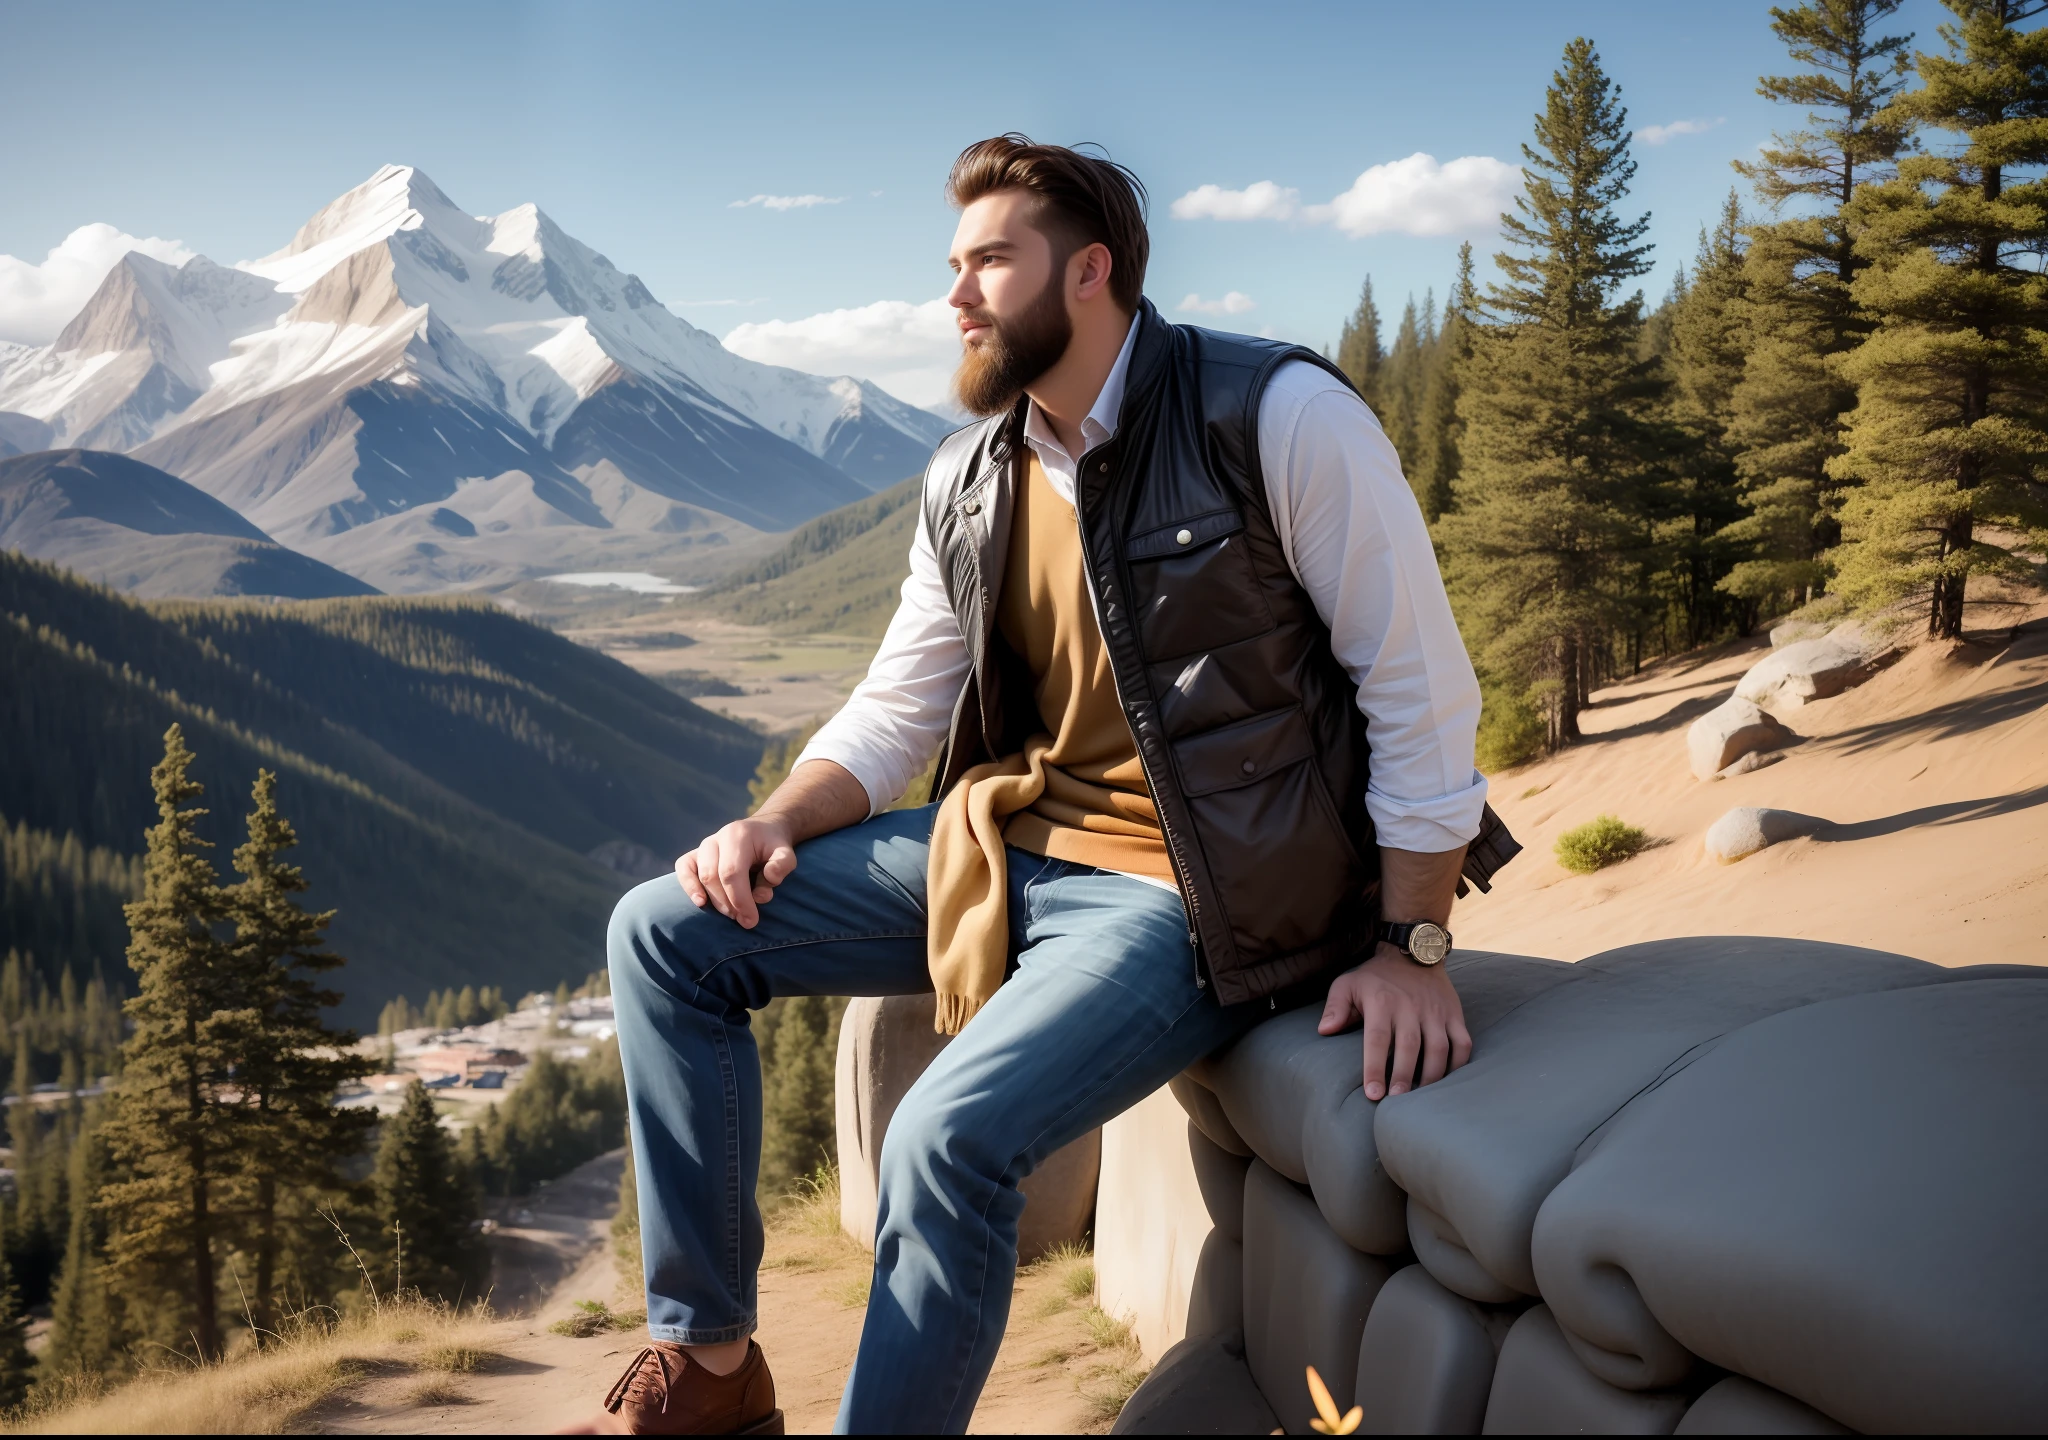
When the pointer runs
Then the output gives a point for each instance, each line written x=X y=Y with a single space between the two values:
x=1073 y=1270
x=812 y=1208
x=437 y=1391
x=453 y=1359
x=1122 y=1369
x=264 y=1392
x=853 y=1293
x=812 y=1211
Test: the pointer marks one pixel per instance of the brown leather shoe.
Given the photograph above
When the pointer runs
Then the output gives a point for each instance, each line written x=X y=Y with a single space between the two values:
x=664 y=1392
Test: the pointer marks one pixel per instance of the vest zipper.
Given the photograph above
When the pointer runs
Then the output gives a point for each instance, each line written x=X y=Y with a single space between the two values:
x=1165 y=827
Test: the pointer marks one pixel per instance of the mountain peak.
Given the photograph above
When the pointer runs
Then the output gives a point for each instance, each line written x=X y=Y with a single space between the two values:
x=397 y=197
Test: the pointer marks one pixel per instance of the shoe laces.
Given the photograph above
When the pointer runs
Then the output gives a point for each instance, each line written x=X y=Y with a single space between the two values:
x=622 y=1389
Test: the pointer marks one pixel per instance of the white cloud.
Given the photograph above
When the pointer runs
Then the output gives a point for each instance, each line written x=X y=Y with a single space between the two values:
x=908 y=349
x=1235 y=303
x=785 y=202
x=1261 y=201
x=1658 y=134
x=36 y=301
x=1415 y=196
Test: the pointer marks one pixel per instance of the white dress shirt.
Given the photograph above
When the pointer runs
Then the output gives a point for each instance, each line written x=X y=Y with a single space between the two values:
x=1355 y=539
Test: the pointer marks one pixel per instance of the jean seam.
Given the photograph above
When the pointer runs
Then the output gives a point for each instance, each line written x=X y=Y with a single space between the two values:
x=728 y=1079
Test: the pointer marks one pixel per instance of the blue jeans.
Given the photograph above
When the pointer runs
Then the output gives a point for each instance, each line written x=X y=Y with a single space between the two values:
x=1102 y=1007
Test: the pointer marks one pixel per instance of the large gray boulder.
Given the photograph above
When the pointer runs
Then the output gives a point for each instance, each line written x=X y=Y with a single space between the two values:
x=1297 y=1098
x=884 y=1045
x=1540 y=1388
x=1478 y=1151
x=1728 y=732
x=1840 y=1202
x=1814 y=669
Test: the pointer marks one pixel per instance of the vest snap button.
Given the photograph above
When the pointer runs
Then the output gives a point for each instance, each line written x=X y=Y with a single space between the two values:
x=1249 y=767
x=1185 y=537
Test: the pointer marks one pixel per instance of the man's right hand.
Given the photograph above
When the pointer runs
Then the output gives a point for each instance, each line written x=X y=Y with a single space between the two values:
x=736 y=870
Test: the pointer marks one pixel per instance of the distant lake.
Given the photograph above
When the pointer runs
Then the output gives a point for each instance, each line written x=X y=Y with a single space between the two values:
x=640 y=582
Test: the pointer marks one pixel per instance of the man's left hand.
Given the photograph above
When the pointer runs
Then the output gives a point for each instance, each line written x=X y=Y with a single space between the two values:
x=1410 y=1013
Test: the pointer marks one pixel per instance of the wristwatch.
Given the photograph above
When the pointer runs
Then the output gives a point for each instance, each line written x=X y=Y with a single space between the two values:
x=1423 y=941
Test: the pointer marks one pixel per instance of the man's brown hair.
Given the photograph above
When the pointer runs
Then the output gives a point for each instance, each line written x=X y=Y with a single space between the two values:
x=1082 y=200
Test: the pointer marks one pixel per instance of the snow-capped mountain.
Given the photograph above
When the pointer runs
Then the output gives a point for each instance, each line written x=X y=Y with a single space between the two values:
x=429 y=397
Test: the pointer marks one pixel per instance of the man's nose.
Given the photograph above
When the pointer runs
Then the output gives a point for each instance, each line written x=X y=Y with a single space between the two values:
x=966 y=292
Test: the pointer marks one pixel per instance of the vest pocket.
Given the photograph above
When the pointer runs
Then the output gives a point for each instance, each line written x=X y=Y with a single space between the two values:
x=1196 y=593
x=1277 y=852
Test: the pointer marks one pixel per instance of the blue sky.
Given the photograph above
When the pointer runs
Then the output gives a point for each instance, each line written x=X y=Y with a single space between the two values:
x=638 y=125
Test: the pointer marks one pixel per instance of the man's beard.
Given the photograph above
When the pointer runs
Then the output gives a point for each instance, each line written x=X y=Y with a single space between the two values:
x=994 y=372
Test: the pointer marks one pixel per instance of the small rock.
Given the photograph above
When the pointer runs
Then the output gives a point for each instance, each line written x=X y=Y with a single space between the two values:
x=1814 y=668
x=1729 y=731
x=1749 y=828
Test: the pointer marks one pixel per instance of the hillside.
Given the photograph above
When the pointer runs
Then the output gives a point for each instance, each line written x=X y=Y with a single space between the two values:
x=1935 y=774
x=122 y=523
x=837 y=575
x=451 y=770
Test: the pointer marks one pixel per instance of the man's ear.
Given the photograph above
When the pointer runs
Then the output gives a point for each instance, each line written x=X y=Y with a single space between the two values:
x=1088 y=271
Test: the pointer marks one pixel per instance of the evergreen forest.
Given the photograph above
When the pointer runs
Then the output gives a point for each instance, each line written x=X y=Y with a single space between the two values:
x=1840 y=408
x=452 y=767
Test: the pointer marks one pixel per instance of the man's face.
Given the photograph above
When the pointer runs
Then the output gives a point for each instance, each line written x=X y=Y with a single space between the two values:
x=1009 y=297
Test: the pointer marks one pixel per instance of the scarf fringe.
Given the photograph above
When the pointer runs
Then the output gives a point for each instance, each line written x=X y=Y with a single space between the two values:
x=954 y=1011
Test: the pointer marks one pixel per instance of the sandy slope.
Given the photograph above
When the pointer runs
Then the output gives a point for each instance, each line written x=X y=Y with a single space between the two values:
x=1935 y=772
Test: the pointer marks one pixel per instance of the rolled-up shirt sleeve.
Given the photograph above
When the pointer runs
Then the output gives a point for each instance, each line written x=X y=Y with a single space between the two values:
x=895 y=720
x=1356 y=540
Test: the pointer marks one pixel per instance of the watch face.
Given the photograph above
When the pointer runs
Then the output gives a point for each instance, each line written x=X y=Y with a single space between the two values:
x=1429 y=943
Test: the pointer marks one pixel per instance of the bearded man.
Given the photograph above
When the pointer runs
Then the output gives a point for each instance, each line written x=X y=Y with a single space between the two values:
x=1204 y=729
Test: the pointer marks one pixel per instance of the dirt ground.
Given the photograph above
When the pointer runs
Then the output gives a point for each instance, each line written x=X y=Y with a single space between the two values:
x=1934 y=774
x=787 y=680
x=1063 y=1368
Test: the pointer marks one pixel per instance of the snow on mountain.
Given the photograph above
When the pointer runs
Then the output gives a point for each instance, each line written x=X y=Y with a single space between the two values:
x=399 y=350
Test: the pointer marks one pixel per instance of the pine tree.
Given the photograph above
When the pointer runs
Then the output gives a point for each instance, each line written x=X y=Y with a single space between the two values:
x=1709 y=343
x=424 y=1207
x=173 y=1131
x=1400 y=385
x=1949 y=439
x=798 y=1132
x=17 y=1366
x=1559 y=480
x=1358 y=347
x=294 y=1139
x=85 y=1332
x=1786 y=414
x=1438 y=429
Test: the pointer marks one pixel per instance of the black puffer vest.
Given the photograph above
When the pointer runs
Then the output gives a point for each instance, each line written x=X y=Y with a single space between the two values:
x=1247 y=727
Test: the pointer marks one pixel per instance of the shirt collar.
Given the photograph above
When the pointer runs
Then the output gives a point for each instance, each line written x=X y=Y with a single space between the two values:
x=1101 y=422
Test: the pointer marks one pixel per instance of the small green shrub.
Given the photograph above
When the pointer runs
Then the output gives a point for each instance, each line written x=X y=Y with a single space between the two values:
x=1598 y=844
